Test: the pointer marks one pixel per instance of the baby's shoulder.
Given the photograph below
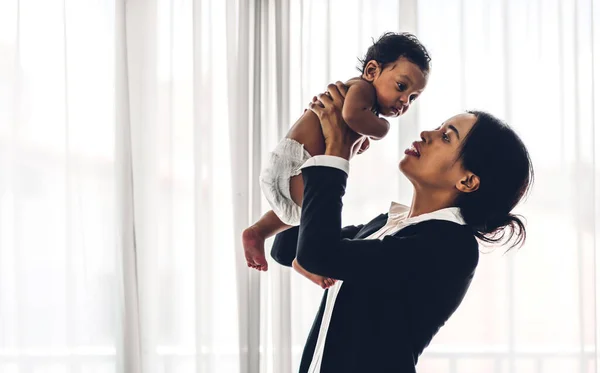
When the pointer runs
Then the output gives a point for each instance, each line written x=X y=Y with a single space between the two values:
x=363 y=90
x=362 y=85
x=357 y=81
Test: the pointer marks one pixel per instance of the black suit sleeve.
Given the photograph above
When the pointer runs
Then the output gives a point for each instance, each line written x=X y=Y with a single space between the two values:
x=284 y=246
x=321 y=251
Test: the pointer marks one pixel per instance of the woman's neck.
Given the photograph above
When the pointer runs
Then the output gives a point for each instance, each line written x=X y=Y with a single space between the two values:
x=426 y=201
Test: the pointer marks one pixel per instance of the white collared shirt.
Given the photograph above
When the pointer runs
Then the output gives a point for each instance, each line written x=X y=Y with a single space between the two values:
x=396 y=221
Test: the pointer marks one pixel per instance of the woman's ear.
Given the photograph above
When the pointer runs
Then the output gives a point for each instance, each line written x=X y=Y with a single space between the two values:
x=372 y=71
x=469 y=183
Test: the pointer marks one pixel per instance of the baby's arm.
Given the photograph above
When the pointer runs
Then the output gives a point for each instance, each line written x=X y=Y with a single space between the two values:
x=357 y=112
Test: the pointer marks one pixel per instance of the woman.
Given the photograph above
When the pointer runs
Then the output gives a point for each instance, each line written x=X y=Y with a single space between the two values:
x=403 y=274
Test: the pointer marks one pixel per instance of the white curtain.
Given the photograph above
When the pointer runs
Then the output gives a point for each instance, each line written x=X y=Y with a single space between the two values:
x=60 y=252
x=131 y=138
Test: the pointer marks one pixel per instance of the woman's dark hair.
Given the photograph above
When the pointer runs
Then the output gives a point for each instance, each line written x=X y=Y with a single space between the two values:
x=496 y=154
x=392 y=46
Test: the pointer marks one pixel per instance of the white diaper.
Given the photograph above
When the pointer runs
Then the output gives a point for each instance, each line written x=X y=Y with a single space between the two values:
x=283 y=163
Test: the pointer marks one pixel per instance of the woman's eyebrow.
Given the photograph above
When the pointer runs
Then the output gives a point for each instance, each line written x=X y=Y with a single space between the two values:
x=455 y=130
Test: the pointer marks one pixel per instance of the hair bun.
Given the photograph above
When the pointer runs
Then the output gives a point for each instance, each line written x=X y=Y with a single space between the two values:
x=503 y=228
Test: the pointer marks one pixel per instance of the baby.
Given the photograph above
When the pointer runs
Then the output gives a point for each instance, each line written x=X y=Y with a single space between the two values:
x=394 y=73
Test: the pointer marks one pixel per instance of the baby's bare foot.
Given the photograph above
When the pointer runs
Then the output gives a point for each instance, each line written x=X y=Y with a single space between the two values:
x=323 y=282
x=254 y=249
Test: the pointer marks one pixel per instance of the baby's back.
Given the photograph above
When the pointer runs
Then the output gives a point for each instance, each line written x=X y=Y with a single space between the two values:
x=307 y=130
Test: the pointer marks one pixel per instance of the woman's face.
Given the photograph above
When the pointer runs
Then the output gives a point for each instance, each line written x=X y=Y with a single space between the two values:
x=432 y=162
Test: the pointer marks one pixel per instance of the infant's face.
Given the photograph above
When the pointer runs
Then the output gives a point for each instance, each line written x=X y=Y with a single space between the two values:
x=398 y=86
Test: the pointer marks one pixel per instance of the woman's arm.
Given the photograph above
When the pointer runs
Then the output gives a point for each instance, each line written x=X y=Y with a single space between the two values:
x=321 y=251
x=284 y=246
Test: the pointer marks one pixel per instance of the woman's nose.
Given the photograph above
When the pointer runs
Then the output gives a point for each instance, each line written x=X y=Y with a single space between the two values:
x=425 y=136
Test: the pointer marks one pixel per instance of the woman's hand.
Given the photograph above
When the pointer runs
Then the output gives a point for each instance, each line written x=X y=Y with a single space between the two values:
x=340 y=140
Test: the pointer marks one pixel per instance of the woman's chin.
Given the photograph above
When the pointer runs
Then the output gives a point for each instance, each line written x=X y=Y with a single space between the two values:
x=407 y=167
x=402 y=164
x=405 y=160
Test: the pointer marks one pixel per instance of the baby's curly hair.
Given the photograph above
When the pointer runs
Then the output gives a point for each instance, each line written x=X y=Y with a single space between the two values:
x=391 y=46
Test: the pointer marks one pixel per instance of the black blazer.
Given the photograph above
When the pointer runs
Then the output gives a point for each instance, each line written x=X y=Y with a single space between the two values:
x=397 y=291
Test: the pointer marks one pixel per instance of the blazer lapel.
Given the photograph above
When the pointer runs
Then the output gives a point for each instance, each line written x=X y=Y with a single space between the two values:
x=372 y=226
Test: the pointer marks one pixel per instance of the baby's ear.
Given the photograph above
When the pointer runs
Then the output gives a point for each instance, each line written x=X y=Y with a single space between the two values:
x=372 y=70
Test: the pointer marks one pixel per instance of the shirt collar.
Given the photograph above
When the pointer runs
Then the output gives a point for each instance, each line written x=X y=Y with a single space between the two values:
x=398 y=213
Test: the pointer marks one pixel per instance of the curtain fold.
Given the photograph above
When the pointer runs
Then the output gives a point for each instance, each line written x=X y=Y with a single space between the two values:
x=128 y=345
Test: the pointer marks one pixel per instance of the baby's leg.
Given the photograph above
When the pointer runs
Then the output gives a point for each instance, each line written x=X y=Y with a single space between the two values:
x=253 y=239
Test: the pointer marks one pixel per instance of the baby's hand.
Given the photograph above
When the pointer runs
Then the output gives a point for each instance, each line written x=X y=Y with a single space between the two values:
x=364 y=145
x=361 y=146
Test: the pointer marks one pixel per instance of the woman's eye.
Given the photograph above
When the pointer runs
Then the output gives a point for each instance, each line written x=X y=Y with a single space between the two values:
x=413 y=98
x=445 y=137
x=402 y=87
